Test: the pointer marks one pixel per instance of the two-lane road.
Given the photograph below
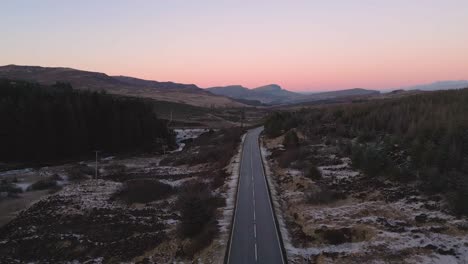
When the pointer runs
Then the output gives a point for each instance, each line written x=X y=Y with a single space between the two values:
x=254 y=237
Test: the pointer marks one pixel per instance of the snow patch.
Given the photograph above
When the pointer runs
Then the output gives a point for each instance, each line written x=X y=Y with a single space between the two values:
x=14 y=172
x=187 y=133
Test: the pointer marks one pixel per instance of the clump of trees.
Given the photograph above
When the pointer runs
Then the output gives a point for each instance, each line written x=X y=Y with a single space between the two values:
x=197 y=216
x=279 y=122
x=421 y=137
x=291 y=140
x=46 y=123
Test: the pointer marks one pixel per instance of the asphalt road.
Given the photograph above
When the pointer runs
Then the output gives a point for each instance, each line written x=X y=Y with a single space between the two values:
x=254 y=236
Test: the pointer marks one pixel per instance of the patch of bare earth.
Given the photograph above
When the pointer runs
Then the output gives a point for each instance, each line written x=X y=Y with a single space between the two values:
x=349 y=217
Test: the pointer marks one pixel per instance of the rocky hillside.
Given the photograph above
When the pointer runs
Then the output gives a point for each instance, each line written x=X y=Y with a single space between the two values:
x=122 y=85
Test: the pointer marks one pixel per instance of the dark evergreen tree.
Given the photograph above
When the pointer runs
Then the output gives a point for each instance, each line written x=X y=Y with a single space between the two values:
x=45 y=123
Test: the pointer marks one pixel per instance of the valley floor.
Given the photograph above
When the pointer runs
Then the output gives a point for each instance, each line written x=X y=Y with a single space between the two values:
x=86 y=221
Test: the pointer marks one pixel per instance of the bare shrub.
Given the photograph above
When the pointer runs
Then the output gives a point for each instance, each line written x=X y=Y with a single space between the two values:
x=322 y=195
x=198 y=216
x=313 y=172
x=79 y=172
x=116 y=168
x=221 y=154
x=143 y=191
x=218 y=179
x=344 y=235
x=291 y=140
x=287 y=157
x=55 y=189
x=43 y=184
x=168 y=160
x=117 y=172
x=200 y=241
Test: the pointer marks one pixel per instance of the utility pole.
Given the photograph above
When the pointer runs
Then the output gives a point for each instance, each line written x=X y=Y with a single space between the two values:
x=242 y=117
x=170 y=119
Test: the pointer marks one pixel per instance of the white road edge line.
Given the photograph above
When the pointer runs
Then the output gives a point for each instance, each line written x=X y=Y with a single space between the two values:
x=237 y=196
x=256 y=255
x=271 y=208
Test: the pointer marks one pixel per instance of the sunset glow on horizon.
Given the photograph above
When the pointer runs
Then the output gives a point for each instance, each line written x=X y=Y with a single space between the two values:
x=300 y=45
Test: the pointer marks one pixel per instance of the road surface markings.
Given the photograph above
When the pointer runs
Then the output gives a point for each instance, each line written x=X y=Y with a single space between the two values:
x=270 y=202
x=252 y=145
x=253 y=201
x=256 y=257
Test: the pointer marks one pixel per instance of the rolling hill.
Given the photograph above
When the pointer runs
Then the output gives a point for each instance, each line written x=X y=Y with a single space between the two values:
x=121 y=85
x=355 y=92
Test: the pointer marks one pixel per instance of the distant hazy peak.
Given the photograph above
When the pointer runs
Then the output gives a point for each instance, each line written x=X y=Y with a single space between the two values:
x=439 y=85
x=269 y=87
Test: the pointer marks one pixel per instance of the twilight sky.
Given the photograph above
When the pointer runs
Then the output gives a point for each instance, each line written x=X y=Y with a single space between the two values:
x=301 y=45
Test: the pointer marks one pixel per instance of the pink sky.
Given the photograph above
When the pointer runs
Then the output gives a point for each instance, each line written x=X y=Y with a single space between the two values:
x=300 y=45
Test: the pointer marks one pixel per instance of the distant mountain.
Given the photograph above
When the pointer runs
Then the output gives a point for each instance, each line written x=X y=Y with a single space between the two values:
x=268 y=94
x=348 y=93
x=122 y=85
x=440 y=85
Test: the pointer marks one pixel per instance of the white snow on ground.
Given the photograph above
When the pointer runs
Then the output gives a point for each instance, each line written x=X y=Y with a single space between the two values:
x=24 y=178
x=91 y=194
x=135 y=162
x=24 y=185
x=292 y=172
x=167 y=170
x=436 y=259
x=187 y=133
x=339 y=171
x=176 y=183
x=15 y=172
x=227 y=212
x=418 y=242
x=358 y=214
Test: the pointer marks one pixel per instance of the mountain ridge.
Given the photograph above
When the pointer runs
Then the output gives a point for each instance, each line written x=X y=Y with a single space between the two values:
x=121 y=85
x=439 y=85
x=274 y=94
x=267 y=94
